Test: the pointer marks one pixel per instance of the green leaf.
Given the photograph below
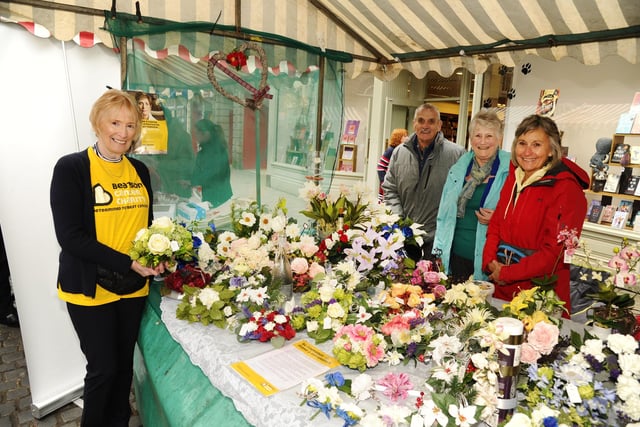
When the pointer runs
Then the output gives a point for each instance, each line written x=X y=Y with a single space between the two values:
x=278 y=341
x=576 y=339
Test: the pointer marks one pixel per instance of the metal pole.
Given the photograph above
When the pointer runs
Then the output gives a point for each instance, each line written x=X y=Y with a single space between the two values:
x=256 y=113
x=317 y=173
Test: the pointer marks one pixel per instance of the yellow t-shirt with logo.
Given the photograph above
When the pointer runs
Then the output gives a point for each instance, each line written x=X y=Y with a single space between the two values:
x=121 y=206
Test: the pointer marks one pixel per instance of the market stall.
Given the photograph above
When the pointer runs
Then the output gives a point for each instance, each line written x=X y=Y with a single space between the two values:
x=586 y=33
x=420 y=344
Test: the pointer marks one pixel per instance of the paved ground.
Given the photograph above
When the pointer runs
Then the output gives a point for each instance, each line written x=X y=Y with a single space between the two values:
x=15 y=394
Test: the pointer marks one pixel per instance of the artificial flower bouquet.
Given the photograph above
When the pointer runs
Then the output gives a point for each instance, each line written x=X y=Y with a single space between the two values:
x=349 y=207
x=188 y=275
x=213 y=304
x=535 y=305
x=590 y=383
x=165 y=241
x=358 y=346
x=267 y=326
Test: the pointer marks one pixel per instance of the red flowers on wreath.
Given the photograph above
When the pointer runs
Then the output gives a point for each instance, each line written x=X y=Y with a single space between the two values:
x=189 y=275
x=267 y=325
x=237 y=59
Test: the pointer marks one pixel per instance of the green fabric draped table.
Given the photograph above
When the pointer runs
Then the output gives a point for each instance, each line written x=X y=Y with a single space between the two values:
x=170 y=390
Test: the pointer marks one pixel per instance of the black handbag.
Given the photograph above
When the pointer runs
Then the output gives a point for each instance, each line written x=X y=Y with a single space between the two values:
x=121 y=284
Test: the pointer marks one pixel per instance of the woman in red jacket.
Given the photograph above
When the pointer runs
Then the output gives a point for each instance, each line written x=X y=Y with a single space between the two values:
x=542 y=196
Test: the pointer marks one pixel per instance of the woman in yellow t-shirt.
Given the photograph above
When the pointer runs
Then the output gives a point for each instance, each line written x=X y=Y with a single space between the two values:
x=100 y=198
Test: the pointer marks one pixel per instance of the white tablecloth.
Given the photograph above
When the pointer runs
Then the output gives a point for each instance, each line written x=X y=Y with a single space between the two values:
x=214 y=350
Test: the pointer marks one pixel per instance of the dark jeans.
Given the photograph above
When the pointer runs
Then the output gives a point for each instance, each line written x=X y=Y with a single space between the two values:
x=107 y=336
x=461 y=268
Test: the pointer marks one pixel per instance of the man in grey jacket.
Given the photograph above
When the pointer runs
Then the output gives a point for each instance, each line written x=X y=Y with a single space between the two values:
x=418 y=170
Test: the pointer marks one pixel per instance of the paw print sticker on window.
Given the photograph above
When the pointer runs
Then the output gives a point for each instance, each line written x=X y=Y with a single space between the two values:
x=526 y=68
x=511 y=94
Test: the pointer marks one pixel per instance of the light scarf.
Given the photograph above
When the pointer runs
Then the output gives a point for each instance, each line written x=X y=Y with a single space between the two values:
x=477 y=175
x=520 y=183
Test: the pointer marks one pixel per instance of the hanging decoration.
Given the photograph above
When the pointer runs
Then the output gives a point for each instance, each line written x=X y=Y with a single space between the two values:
x=237 y=59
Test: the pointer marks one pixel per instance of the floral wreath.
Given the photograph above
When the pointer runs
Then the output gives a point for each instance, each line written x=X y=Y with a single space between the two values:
x=238 y=59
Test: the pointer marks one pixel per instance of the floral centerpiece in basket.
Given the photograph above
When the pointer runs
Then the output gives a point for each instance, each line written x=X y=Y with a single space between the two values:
x=165 y=241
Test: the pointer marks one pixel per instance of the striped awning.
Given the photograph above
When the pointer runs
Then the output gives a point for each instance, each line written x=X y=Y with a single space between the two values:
x=378 y=36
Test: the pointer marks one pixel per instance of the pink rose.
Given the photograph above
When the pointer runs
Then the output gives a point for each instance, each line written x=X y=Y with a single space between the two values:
x=529 y=354
x=431 y=277
x=299 y=265
x=439 y=291
x=314 y=269
x=543 y=337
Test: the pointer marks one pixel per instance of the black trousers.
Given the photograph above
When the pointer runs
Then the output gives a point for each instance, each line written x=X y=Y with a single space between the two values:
x=108 y=335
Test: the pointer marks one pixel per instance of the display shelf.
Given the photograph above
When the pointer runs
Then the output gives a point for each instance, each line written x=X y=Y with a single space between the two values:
x=347 y=157
x=618 y=142
x=612 y=195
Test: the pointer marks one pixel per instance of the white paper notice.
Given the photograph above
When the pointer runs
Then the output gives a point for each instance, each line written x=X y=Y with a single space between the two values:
x=285 y=367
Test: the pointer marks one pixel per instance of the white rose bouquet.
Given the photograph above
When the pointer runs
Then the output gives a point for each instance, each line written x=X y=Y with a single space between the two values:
x=164 y=241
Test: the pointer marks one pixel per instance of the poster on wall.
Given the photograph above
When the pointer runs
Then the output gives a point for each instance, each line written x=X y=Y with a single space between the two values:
x=350 y=132
x=154 y=136
x=547 y=102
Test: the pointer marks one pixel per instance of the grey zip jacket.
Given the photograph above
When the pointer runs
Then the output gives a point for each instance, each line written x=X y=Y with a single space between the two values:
x=414 y=194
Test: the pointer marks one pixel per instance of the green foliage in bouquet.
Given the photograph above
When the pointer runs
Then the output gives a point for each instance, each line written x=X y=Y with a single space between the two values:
x=212 y=304
x=164 y=241
x=248 y=217
x=325 y=210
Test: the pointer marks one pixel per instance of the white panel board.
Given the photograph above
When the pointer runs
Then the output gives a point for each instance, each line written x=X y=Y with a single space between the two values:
x=43 y=82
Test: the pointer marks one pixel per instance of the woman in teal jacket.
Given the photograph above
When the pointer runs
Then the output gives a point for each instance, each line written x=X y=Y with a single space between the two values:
x=469 y=197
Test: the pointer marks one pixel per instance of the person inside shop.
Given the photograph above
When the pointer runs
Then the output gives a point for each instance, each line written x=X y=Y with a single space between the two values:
x=542 y=196
x=212 y=172
x=100 y=198
x=8 y=312
x=174 y=168
x=418 y=169
x=145 y=103
x=469 y=198
x=397 y=137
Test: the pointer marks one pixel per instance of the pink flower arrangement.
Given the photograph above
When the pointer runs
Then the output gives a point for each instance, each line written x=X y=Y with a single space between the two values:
x=427 y=275
x=623 y=263
x=540 y=341
x=358 y=347
x=396 y=386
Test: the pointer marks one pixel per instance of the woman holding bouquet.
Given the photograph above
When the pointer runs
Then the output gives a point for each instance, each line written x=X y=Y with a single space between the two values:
x=100 y=198
x=542 y=197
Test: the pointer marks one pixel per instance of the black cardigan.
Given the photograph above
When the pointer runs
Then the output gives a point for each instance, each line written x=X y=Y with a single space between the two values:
x=71 y=198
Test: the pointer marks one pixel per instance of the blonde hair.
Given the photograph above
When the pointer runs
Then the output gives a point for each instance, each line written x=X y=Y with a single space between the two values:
x=115 y=99
x=396 y=137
